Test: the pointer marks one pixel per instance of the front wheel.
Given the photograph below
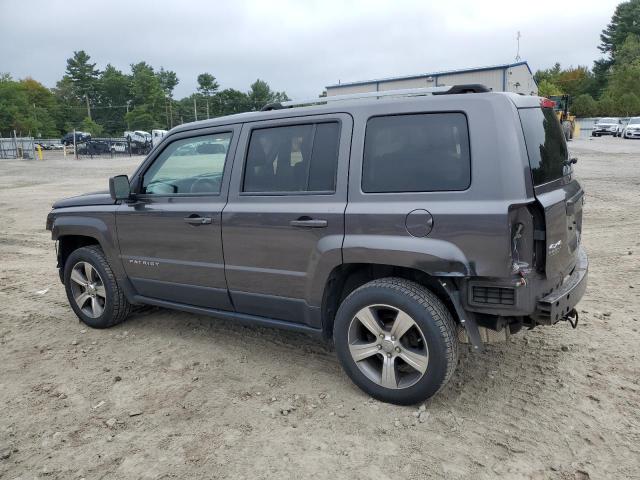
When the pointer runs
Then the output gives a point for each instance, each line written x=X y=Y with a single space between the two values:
x=92 y=289
x=396 y=340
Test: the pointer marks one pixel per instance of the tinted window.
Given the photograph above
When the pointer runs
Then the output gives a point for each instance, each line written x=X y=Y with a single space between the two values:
x=191 y=165
x=299 y=158
x=545 y=142
x=416 y=153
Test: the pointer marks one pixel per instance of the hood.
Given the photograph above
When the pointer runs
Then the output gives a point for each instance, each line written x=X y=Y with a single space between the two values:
x=95 y=198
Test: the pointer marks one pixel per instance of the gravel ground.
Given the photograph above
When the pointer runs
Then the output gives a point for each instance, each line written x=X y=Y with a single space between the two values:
x=173 y=395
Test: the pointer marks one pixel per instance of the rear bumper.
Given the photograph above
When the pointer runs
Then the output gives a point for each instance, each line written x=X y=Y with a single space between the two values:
x=557 y=305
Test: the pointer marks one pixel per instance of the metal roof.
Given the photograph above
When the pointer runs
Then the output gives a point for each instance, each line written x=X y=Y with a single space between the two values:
x=502 y=66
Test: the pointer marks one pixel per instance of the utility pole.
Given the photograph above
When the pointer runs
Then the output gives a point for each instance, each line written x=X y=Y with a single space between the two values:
x=207 y=109
x=195 y=108
x=86 y=96
x=127 y=117
x=518 y=48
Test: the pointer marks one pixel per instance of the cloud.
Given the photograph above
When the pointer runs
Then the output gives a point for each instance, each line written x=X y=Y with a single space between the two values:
x=296 y=46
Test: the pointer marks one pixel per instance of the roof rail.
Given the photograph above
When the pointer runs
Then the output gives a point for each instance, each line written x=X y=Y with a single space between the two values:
x=408 y=92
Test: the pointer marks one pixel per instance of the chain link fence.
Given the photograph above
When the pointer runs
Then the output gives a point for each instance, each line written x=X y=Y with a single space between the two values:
x=17 y=148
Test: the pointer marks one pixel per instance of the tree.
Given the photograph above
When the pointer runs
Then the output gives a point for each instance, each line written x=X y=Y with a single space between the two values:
x=547 y=89
x=113 y=96
x=147 y=94
x=168 y=81
x=207 y=85
x=260 y=94
x=26 y=106
x=141 y=119
x=230 y=101
x=584 y=106
x=629 y=51
x=83 y=75
x=625 y=21
x=92 y=127
x=628 y=105
x=606 y=106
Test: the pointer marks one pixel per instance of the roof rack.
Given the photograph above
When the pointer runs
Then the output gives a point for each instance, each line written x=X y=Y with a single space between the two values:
x=408 y=92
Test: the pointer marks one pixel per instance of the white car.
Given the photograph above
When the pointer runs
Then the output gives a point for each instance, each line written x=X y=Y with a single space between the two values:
x=605 y=126
x=156 y=136
x=138 y=136
x=632 y=130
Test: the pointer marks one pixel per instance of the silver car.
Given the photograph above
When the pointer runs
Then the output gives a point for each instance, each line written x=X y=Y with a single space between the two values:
x=605 y=126
x=632 y=130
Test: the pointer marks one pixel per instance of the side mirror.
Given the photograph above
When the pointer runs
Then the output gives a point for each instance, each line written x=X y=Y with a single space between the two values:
x=119 y=187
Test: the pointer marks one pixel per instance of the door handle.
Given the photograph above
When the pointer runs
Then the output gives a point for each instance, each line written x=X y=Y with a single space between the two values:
x=198 y=220
x=306 y=222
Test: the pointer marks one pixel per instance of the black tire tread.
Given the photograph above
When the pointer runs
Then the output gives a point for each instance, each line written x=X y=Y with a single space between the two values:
x=121 y=306
x=439 y=312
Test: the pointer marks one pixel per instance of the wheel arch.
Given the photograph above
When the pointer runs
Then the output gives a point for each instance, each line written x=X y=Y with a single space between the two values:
x=347 y=277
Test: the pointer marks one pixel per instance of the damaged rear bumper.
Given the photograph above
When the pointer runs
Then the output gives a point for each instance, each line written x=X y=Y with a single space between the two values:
x=560 y=303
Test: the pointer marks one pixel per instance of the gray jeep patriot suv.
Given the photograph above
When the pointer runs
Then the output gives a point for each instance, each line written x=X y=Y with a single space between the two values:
x=397 y=224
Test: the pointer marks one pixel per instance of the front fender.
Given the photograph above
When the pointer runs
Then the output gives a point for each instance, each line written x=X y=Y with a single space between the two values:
x=98 y=224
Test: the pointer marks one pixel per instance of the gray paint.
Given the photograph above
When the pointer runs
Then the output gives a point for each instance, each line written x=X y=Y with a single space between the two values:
x=251 y=262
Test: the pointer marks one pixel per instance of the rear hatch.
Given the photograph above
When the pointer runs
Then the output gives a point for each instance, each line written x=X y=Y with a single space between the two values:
x=559 y=194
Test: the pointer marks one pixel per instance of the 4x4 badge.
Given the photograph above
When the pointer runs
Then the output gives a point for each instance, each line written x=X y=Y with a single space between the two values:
x=555 y=248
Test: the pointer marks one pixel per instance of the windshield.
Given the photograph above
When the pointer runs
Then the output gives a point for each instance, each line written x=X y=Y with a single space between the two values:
x=634 y=121
x=608 y=120
x=545 y=143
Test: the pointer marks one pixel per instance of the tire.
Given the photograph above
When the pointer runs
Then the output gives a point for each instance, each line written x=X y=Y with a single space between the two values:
x=111 y=306
x=432 y=337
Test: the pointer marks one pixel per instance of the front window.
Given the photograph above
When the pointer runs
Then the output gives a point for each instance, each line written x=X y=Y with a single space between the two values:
x=191 y=165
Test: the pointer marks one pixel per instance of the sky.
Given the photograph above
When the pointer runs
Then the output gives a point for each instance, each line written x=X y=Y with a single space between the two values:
x=296 y=46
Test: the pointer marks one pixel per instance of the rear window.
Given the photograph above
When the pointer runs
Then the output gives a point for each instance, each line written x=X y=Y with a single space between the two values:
x=416 y=153
x=545 y=144
x=297 y=158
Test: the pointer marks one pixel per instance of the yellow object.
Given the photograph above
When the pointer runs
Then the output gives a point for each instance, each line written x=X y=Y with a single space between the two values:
x=39 y=148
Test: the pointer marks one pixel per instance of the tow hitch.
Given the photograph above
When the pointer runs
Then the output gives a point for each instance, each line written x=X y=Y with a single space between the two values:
x=572 y=318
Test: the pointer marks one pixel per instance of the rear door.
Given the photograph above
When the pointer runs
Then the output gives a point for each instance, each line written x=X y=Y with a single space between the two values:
x=283 y=225
x=556 y=189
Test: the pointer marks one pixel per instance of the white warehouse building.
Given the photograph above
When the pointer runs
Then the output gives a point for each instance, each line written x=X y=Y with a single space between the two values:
x=510 y=77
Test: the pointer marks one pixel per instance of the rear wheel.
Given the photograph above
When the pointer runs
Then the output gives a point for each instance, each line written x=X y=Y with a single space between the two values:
x=92 y=289
x=396 y=340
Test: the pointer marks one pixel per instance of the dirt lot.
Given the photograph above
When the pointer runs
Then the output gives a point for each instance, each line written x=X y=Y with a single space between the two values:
x=173 y=395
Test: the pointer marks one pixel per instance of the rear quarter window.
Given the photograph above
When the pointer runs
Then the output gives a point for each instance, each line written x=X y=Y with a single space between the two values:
x=545 y=143
x=416 y=153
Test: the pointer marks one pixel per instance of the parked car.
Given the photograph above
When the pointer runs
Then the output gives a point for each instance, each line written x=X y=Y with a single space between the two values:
x=621 y=126
x=157 y=136
x=80 y=138
x=605 y=126
x=119 y=147
x=395 y=228
x=138 y=136
x=94 y=147
x=632 y=130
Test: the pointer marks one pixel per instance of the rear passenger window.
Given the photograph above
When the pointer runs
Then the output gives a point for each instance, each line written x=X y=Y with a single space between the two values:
x=416 y=153
x=298 y=158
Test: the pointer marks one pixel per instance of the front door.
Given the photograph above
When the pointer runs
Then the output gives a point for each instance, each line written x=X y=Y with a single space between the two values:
x=170 y=236
x=283 y=226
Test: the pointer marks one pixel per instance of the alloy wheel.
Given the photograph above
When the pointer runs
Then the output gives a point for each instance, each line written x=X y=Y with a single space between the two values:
x=388 y=346
x=88 y=289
